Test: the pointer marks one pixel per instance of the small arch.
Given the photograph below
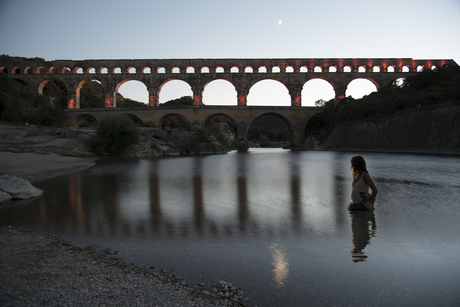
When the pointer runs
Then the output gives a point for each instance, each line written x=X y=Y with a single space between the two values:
x=333 y=68
x=205 y=70
x=66 y=70
x=103 y=70
x=248 y=69
x=276 y=69
x=41 y=70
x=146 y=70
x=91 y=70
x=405 y=68
x=347 y=69
x=175 y=70
x=117 y=70
x=390 y=69
x=79 y=70
x=4 y=70
x=318 y=69
x=234 y=69
x=399 y=82
x=376 y=69
x=289 y=69
x=53 y=70
x=434 y=67
x=16 y=71
x=220 y=70
x=420 y=68
x=190 y=70
x=161 y=70
x=131 y=70
x=262 y=69
x=362 y=69
x=28 y=71
x=304 y=69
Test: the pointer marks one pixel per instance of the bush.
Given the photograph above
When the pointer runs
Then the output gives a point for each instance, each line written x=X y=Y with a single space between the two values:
x=115 y=134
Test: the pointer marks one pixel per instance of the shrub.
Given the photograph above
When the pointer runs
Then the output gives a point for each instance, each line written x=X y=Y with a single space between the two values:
x=115 y=134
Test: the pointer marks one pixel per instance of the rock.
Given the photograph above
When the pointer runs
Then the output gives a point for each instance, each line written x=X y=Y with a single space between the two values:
x=433 y=128
x=4 y=197
x=18 y=188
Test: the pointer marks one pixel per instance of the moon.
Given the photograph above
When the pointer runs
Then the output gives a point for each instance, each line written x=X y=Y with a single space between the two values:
x=280 y=22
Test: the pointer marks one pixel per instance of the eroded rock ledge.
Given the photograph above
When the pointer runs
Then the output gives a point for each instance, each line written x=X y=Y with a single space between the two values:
x=430 y=129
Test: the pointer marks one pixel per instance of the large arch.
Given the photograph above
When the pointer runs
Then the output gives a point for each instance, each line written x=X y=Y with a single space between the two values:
x=174 y=88
x=220 y=92
x=360 y=87
x=317 y=89
x=133 y=89
x=80 y=86
x=276 y=94
x=277 y=133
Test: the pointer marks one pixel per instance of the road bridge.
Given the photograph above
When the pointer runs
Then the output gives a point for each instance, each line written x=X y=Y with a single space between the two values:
x=295 y=117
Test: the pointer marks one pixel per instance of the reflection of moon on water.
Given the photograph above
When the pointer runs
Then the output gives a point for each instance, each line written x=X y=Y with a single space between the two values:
x=280 y=264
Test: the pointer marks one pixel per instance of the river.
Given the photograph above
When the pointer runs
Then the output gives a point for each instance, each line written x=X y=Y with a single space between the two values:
x=272 y=222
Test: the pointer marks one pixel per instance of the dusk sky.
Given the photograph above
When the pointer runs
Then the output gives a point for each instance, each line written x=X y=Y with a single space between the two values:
x=78 y=30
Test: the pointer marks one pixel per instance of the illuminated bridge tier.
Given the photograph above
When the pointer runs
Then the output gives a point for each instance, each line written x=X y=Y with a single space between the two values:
x=242 y=73
x=295 y=117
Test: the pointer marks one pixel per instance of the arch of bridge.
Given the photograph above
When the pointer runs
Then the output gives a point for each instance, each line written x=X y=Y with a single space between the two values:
x=293 y=73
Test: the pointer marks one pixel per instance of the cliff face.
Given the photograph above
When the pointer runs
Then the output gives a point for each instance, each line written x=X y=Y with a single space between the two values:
x=430 y=129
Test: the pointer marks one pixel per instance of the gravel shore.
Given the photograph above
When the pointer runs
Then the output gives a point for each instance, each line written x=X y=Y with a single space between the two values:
x=38 y=269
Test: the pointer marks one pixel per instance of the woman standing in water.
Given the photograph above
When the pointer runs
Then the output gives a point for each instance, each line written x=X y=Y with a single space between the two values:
x=361 y=200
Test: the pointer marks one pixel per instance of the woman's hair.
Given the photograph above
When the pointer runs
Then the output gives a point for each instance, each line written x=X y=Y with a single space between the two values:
x=358 y=164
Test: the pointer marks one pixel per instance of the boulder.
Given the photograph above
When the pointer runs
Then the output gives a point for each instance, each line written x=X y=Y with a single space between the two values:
x=18 y=188
x=4 y=197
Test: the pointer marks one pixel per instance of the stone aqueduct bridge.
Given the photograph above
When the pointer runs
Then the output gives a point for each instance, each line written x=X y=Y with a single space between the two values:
x=242 y=73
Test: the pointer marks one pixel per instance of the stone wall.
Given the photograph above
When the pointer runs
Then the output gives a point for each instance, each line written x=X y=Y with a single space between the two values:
x=430 y=129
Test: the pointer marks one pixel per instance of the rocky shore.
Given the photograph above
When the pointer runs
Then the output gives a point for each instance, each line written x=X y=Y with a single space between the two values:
x=37 y=269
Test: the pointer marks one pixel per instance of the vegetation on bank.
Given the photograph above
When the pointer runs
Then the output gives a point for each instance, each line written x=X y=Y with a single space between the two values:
x=114 y=135
x=425 y=88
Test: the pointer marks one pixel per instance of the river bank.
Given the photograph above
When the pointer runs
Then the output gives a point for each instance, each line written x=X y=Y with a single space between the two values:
x=38 y=269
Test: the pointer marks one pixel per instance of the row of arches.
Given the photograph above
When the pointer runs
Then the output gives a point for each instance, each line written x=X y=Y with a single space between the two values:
x=218 y=69
x=222 y=92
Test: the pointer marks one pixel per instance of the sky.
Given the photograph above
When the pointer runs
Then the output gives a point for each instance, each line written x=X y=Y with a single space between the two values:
x=97 y=29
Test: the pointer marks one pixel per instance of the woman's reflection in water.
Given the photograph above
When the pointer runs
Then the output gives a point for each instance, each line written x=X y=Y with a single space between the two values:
x=363 y=227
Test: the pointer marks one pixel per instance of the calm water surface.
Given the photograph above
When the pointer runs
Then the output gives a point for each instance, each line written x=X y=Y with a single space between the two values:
x=272 y=222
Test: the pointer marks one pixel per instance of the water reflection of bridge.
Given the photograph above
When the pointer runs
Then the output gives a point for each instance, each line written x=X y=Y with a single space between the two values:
x=105 y=212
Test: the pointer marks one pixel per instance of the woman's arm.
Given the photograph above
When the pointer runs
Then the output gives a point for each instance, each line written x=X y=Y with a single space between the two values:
x=368 y=180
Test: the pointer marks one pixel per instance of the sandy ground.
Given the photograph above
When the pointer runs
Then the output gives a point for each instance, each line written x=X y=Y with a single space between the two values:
x=35 y=167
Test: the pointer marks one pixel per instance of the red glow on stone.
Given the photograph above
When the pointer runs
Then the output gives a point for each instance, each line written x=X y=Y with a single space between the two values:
x=196 y=100
x=71 y=103
x=108 y=101
x=152 y=101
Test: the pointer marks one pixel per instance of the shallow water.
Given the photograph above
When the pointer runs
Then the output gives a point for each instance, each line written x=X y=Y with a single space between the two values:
x=272 y=222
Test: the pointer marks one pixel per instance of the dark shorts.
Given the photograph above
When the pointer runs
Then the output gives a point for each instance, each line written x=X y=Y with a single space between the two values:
x=357 y=207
